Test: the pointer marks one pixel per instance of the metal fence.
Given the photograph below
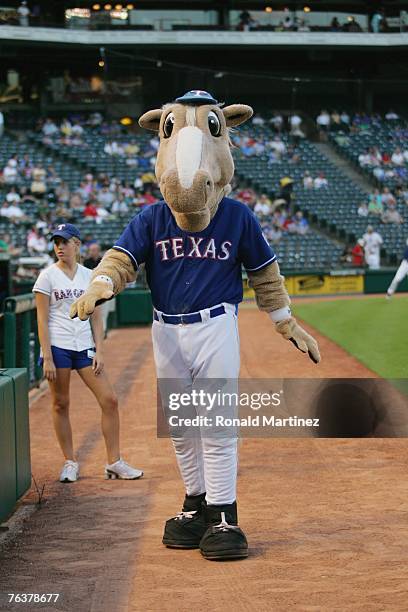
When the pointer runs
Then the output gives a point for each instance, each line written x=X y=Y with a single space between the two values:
x=19 y=343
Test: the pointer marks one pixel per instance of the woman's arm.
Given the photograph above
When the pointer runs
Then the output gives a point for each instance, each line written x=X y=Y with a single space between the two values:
x=43 y=305
x=98 y=335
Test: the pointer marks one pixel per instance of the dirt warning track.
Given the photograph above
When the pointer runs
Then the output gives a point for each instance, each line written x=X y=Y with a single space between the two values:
x=325 y=519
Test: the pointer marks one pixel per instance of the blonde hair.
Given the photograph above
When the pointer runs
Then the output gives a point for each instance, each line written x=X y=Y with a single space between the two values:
x=77 y=243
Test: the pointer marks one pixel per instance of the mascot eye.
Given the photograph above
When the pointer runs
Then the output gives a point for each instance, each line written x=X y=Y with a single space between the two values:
x=168 y=125
x=214 y=124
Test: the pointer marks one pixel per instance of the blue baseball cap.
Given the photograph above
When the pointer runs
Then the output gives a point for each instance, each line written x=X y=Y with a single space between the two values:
x=67 y=231
x=197 y=97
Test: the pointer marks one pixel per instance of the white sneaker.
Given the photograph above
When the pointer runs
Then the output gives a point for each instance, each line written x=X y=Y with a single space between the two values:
x=121 y=469
x=70 y=471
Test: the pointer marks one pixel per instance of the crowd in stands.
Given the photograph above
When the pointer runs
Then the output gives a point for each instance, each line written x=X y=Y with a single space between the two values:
x=358 y=122
x=382 y=205
x=28 y=186
x=294 y=23
x=276 y=216
x=100 y=198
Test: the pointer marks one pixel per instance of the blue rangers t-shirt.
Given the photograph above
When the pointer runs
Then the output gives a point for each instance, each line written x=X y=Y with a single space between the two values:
x=190 y=271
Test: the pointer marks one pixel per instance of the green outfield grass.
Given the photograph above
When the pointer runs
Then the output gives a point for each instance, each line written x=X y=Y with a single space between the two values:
x=373 y=330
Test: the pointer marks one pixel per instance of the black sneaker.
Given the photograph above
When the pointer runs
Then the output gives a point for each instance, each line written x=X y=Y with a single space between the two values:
x=223 y=538
x=187 y=528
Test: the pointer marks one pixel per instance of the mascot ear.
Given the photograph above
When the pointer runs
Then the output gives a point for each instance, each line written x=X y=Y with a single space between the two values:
x=237 y=114
x=151 y=120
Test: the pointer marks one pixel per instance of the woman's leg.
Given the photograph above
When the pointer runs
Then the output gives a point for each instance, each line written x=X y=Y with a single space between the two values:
x=102 y=390
x=60 y=411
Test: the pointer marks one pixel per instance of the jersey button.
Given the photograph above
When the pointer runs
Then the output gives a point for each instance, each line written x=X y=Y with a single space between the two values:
x=187 y=282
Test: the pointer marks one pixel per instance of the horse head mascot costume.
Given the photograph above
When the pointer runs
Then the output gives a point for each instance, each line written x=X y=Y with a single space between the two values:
x=194 y=244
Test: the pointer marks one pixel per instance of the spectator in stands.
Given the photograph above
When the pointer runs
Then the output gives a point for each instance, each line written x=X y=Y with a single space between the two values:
x=376 y=20
x=148 y=198
x=364 y=159
x=345 y=120
x=293 y=155
x=148 y=180
x=278 y=146
x=263 y=206
x=38 y=184
x=36 y=242
x=375 y=205
x=352 y=25
x=335 y=122
x=372 y=244
x=90 y=210
x=323 y=121
x=94 y=256
x=62 y=192
x=391 y=116
x=347 y=255
x=12 y=212
x=320 y=182
x=288 y=23
x=49 y=128
x=10 y=172
x=358 y=253
x=258 y=120
x=106 y=197
x=362 y=210
x=286 y=190
x=77 y=129
x=303 y=26
x=307 y=180
x=23 y=14
x=295 y=130
x=246 y=22
x=13 y=197
x=25 y=166
x=335 y=25
x=274 y=234
x=391 y=215
x=101 y=212
x=277 y=122
x=387 y=197
x=7 y=246
x=300 y=224
x=119 y=206
x=397 y=158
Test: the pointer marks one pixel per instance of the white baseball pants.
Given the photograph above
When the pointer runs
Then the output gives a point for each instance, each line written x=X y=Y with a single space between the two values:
x=399 y=276
x=208 y=349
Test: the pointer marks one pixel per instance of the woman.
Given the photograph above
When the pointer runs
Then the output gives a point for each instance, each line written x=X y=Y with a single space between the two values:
x=67 y=345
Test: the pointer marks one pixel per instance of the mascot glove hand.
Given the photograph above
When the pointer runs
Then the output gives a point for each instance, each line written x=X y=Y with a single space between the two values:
x=291 y=330
x=97 y=292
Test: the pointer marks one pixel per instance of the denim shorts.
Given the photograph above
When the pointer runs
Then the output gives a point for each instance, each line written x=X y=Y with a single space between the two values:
x=74 y=360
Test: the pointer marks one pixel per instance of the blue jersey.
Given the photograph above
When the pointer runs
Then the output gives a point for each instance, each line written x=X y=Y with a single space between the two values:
x=190 y=271
x=406 y=254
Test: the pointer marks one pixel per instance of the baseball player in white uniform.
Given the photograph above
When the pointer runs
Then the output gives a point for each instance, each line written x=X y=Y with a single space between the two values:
x=372 y=248
x=400 y=274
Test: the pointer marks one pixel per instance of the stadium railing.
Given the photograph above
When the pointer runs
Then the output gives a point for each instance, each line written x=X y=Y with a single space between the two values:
x=20 y=336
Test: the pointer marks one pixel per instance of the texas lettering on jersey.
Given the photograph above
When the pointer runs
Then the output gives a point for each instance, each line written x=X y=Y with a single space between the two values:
x=65 y=294
x=196 y=248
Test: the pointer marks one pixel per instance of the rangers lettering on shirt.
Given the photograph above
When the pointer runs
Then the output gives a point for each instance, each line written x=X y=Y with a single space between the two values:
x=65 y=294
x=198 y=248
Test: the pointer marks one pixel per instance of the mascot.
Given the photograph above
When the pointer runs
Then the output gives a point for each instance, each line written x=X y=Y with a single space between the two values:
x=194 y=243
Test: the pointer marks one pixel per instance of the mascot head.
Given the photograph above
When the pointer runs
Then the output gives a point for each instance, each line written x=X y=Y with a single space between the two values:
x=194 y=163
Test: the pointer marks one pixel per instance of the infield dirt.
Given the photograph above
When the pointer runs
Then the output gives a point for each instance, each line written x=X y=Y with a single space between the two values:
x=325 y=519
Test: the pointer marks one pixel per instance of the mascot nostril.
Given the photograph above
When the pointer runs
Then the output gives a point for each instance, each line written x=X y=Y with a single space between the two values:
x=194 y=244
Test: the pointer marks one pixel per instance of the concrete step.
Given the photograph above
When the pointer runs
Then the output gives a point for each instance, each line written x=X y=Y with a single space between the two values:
x=345 y=166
